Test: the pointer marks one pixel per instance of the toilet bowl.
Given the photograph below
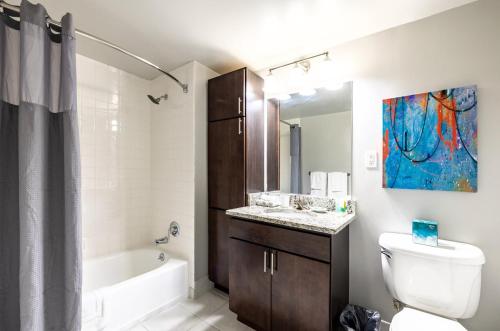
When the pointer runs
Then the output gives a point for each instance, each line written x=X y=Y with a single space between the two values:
x=437 y=285
x=410 y=319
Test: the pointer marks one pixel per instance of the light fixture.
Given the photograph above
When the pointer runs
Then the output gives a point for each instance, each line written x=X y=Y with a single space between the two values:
x=304 y=77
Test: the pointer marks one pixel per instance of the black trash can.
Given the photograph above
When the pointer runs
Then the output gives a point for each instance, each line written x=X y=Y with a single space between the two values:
x=356 y=318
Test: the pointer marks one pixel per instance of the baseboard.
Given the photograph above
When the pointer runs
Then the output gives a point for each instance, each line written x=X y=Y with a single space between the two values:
x=201 y=286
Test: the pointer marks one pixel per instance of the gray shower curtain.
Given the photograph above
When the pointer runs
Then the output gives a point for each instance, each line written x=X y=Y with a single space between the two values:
x=295 y=159
x=40 y=231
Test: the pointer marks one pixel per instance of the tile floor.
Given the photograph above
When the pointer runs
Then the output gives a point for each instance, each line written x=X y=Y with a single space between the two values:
x=210 y=312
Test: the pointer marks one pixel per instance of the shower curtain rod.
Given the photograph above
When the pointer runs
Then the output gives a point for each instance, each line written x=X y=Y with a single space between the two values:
x=50 y=21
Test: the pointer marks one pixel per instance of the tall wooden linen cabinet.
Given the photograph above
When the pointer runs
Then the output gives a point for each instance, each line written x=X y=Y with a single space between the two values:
x=235 y=157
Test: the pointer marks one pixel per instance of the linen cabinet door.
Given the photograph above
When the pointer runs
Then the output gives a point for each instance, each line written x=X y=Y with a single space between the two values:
x=226 y=96
x=250 y=283
x=300 y=293
x=218 y=248
x=226 y=164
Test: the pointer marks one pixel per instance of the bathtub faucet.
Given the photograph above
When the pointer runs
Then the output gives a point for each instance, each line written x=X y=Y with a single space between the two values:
x=163 y=240
x=174 y=230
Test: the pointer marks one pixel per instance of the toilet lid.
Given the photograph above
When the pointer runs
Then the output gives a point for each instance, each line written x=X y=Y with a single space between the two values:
x=415 y=320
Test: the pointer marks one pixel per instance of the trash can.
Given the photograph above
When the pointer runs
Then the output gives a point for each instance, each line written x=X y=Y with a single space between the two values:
x=356 y=318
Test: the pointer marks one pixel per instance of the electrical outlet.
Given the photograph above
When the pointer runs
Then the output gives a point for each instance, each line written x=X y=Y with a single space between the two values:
x=371 y=159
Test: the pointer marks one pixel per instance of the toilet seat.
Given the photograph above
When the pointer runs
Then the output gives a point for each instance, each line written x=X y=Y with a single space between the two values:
x=415 y=320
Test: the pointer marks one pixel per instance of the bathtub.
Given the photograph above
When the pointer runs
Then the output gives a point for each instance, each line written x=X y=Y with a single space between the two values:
x=120 y=289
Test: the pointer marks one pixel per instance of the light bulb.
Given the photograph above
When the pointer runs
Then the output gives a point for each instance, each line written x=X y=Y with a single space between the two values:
x=324 y=72
x=270 y=83
x=296 y=76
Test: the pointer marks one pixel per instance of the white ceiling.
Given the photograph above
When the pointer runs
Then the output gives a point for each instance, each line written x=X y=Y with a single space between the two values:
x=227 y=34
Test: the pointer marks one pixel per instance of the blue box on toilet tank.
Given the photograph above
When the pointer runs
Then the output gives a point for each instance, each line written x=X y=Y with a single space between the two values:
x=425 y=232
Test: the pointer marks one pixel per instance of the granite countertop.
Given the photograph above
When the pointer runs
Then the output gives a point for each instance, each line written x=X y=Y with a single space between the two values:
x=330 y=223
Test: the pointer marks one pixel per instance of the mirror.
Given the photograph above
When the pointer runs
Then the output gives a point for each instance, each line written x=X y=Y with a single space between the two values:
x=315 y=142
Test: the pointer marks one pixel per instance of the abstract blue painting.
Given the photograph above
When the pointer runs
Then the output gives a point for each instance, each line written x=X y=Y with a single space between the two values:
x=430 y=141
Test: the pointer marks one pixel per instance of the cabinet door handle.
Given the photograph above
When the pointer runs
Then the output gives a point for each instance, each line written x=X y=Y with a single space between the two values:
x=265 y=261
x=272 y=263
x=239 y=126
x=239 y=105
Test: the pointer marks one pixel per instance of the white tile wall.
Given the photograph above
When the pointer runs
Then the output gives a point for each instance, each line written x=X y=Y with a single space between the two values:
x=115 y=127
x=172 y=163
x=143 y=165
x=178 y=164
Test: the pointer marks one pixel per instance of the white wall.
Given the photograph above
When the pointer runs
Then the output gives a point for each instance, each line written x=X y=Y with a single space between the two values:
x=178 y=163
x=201 y=76
x=456 y=48
x=114 y=118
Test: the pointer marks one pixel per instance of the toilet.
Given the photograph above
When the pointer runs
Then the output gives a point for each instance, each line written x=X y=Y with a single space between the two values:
x=436 y=285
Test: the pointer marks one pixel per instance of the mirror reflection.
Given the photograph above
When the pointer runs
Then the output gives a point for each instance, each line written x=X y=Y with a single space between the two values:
x=316 y=142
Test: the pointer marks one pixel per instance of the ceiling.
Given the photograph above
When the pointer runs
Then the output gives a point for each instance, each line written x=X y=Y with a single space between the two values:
x=322 y=103
x=227 y=34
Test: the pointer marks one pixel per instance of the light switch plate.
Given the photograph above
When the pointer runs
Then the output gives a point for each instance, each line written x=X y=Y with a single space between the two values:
x=371 y=159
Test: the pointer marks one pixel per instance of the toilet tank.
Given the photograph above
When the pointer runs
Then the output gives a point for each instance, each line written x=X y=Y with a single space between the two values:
x=443 y=280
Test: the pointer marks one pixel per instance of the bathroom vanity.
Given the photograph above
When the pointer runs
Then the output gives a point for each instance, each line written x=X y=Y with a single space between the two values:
x=284 y=268
x=288 y=269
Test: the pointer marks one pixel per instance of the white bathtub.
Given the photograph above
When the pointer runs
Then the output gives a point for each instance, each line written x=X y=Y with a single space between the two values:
x=120 y=289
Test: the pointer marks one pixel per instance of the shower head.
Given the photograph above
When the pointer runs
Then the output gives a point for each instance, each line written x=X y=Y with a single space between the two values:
x=156 y=101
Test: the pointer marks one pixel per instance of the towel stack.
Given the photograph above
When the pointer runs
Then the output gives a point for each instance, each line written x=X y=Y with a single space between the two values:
x=337 y=185
x=318 y=183
x=334 y=184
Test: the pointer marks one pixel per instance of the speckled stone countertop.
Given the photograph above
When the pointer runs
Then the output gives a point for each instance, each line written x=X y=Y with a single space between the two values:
x=329 y=223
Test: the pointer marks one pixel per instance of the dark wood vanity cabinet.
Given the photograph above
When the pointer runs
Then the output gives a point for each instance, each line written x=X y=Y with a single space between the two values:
x=235 y=156
x=287 y=279
x=251 y=284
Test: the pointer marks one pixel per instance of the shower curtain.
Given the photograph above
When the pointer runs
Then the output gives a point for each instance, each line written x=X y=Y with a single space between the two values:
x=295 y=160
x=40 y=231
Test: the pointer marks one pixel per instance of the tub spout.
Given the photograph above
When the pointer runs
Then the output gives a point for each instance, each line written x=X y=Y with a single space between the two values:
x=163 y=240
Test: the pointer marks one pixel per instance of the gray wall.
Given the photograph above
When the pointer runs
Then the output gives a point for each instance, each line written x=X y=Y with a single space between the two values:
x=456 y=48
x=326 y=144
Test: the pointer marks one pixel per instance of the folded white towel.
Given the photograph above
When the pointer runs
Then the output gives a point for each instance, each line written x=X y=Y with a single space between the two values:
x=337 y=184
x=318 y=183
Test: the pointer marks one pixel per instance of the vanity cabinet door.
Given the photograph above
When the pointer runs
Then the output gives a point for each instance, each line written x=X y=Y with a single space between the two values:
x=226 y=164
x=250 y=283
x=300 y=293
x=227 y=96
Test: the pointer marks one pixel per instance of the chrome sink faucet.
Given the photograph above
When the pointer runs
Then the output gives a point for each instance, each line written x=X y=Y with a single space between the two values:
x=174 y=230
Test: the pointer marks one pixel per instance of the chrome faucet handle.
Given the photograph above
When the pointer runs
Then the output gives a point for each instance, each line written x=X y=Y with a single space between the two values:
x=174 y=229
